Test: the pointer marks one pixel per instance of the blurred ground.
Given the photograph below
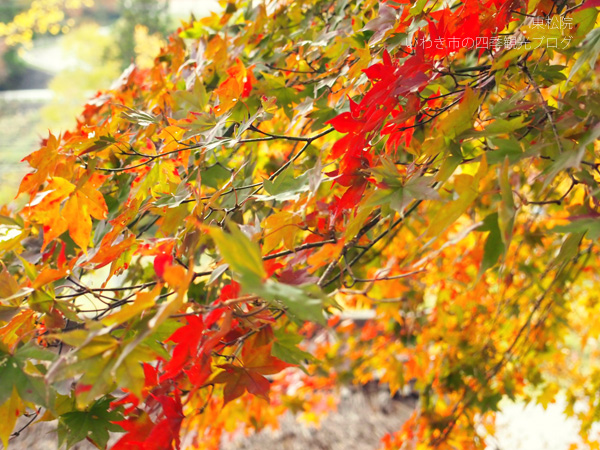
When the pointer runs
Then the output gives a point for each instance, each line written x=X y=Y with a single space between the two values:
x=362 y=419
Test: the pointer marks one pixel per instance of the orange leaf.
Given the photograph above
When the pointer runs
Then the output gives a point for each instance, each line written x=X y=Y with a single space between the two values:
x=175 y=275
x=21 y=325
x=49 y=275
x=256 y=354
x=238 y=380
x=237 y=86
x=79 y=221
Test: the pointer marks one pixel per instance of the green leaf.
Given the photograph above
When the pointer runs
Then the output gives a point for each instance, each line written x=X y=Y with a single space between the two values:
x=242 y=255
x=285 y=186
x=301 y=303
x=461 y=118
x=31 y=351
x=499 y=127
x=286 y=96
x=569 y=248
x=94 y=360
x=215 y=176
x=138 y=117
x=590 y=51
x=509 y=148
x=195 y=100
x=399 y=197
x=173 y=200
x=506 y=208
x=590 y=226
x=494 y=246
x=285 y=347
x=93 y=424
x=101 y=143
x=130 y=371
x=320 y=116
x=551 y=74
x=30 y=387
x=571 y=158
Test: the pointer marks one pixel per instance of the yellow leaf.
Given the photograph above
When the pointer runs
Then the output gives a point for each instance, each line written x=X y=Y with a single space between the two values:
x=8 y=285
x=548 y=395
x=468 y=187
x=461 y=118
x=281 y=226
x=142 y=302
x=84 y=204
x=356 y=222
x=11 y=238
x=131 y=373
x=44 y=161
x=10 y=411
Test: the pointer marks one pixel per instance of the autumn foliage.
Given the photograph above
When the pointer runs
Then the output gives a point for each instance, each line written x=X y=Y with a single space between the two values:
x=284 y=163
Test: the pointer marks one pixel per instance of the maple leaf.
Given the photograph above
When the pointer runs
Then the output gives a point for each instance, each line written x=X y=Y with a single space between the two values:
x=44 y=161
x=160 y=262
x=187 y=339
x=257 y=361
x=93 y=424
x=239 y=380
x=137 y=431
x=278 y=227
x=10 y=411
x=260 y=360
x=237 y=86
x=84 y=204
x=80 y=205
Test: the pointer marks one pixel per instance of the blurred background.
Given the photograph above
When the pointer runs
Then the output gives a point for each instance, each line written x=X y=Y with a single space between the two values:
x=55 y=54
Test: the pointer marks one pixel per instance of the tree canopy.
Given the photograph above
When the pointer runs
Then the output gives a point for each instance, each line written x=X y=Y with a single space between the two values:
x=19 y=25
x=435 y=163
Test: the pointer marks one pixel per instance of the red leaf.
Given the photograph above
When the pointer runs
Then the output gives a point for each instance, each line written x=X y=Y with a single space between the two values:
x=161 y=262
x=375 y=72
x=62 y=258
x=590 y=4
x=351 y=197
x=200 y=371
x=228 y=292
x=138 y=429
x=166 y=431
x=188 y=340
x=345 y=123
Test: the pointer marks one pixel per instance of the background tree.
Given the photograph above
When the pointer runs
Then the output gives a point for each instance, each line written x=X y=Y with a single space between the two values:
x=287 y=161
x=151 y=14
x=19 y=21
